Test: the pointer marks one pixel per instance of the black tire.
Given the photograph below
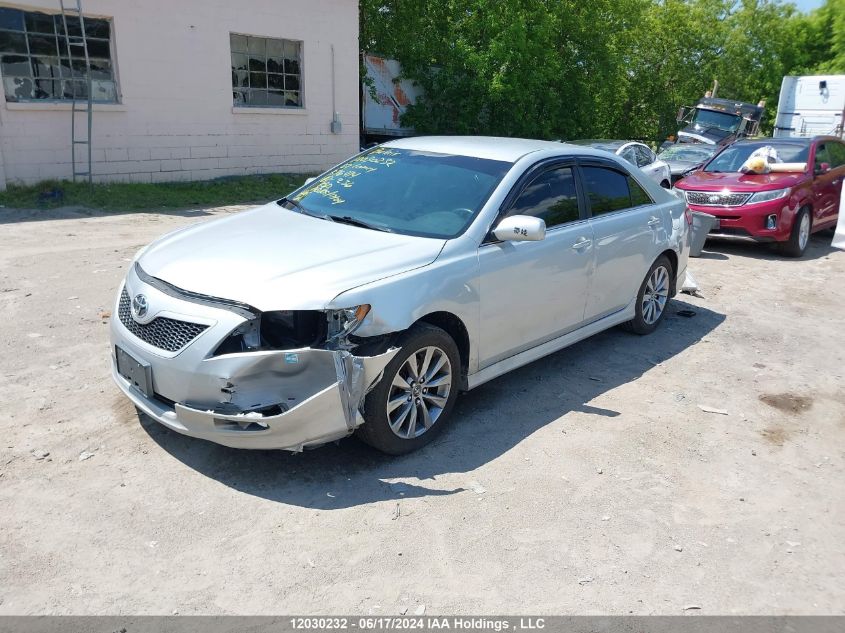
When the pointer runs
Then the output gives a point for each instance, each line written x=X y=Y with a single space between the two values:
x=640 y=324
x=792 y=247
x=376 y=430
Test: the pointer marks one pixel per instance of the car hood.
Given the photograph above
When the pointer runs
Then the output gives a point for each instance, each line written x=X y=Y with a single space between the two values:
x=680 y=166
x=735 y=181
x=272 y=258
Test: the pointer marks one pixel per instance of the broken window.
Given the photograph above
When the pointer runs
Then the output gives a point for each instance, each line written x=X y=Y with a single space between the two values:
x=38 y=65
x=266 y=72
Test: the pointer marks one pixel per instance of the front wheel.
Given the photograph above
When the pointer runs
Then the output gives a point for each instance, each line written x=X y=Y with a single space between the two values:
x=652 y=298
x=411 y=403
x=800 y=235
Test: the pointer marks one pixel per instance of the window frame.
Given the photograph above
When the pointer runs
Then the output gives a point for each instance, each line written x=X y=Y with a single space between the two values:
x=527 y=178
x=301 y=75
x=612 y=166
x=62 y=51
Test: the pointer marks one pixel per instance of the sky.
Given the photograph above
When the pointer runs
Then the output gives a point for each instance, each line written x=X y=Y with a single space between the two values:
x=808 y=5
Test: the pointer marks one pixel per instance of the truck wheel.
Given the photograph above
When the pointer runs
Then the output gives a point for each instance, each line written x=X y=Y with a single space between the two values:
x=800 y=235
x=652 y=298
x=411 y=403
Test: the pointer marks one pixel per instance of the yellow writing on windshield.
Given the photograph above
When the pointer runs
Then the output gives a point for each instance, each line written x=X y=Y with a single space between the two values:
x=331 y=185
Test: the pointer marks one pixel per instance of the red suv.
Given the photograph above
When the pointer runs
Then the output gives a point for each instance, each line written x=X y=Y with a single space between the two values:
x=773 y=207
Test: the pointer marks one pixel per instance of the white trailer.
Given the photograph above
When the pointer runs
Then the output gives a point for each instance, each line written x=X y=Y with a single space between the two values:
x=810 y=106
x=381 y=116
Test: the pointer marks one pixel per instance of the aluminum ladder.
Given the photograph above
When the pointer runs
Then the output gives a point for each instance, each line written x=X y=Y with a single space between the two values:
x=79 y=138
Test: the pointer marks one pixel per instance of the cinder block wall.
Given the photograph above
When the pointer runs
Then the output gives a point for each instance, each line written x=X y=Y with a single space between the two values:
x=175 y=119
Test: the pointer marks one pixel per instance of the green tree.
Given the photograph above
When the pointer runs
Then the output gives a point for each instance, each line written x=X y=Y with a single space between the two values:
x=603 y=68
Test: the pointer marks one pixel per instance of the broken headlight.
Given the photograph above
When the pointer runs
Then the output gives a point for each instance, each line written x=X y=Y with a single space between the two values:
x=345 y=321
x=277 y=330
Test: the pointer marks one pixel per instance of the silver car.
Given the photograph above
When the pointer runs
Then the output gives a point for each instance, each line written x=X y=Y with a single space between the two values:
x=366 y=300
x=636 y=153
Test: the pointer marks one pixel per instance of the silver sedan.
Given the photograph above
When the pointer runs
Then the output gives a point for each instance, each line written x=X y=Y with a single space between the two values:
x=366 y=300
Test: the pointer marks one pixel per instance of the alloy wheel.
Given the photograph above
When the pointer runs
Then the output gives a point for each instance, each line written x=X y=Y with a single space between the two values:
x=804 y=231
x=419 y=392
x=656 y=295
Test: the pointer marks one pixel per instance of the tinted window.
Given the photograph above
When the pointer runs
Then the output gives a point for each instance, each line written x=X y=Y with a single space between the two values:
x=638 y=194
x=836 y=151
x=607 y=190
x=551 y=196
x=821 y=155
x=407 y=191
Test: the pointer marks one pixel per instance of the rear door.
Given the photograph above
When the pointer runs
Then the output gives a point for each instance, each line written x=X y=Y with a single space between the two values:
x=532 y=292
x=629 y=232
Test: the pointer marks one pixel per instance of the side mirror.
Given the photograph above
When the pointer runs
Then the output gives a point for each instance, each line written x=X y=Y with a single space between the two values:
x=822 y=169
x=520 y=228
x=308 y=181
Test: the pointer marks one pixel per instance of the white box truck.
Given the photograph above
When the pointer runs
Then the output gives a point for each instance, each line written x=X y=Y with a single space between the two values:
x=810 y=106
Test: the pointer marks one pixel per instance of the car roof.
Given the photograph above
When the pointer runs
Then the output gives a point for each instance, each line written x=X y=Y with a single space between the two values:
x=489 y=147
x=607 y=145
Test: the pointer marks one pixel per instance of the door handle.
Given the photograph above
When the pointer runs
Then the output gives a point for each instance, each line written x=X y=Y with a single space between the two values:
x=653 y=220
x=582 y=242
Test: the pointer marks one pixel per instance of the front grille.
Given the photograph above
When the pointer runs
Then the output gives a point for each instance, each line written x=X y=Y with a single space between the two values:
x=168 y=334
x=717 y=198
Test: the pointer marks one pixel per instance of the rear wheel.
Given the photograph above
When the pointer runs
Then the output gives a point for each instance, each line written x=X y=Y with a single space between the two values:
x=796 y=245
x=652 y=298
x=411 y=403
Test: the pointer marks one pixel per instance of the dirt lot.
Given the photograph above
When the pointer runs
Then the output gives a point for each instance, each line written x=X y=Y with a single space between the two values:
x=588 y=482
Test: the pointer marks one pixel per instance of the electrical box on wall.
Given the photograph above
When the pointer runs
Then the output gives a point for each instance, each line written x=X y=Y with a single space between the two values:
x=337 y=126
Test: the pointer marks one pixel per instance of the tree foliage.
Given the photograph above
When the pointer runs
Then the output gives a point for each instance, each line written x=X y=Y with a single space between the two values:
x=597 y=68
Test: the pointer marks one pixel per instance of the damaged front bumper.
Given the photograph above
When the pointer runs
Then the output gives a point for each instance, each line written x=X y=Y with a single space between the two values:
x=277 y=399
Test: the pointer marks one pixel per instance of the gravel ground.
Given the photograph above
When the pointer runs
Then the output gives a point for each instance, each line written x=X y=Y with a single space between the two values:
x=588 y=482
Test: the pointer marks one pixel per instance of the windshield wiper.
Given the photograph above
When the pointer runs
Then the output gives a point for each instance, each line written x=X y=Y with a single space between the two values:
x=301 y=208
x=345 y=219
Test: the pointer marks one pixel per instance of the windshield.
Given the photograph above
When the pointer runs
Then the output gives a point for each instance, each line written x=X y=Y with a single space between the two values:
x=732 y=158
x=704 y=119
x=404 y=191
x=688 y=153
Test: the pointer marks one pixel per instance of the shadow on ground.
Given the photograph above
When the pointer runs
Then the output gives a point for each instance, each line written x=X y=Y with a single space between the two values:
x=487 y=422
x=17 y=216
x=723 y=247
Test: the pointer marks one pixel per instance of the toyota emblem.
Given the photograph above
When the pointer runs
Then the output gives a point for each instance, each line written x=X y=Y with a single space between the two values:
x=139 y=307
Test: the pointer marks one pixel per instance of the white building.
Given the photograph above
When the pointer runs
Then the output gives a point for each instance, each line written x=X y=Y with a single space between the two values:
x=183 y=89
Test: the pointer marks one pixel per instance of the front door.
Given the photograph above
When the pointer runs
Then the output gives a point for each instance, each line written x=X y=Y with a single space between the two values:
x=827 y=186
x=532 y=292
x=836 y=178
